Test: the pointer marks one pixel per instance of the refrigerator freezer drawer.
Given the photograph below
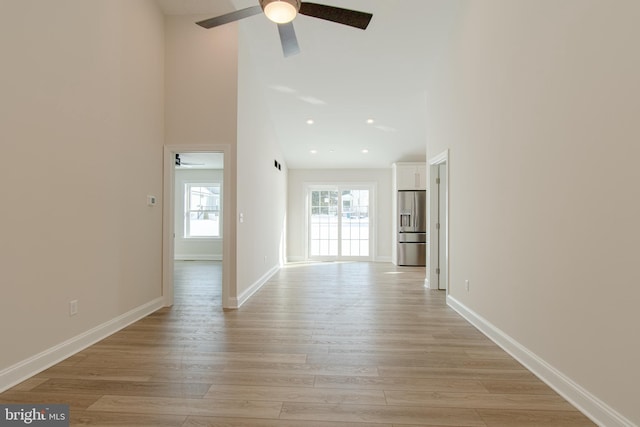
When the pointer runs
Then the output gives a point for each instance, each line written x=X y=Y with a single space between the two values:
x=412 y=254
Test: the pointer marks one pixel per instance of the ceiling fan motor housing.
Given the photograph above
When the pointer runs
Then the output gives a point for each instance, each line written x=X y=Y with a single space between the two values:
x=280 y=11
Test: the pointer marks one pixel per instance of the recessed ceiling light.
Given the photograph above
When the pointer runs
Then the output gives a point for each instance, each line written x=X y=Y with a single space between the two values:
x=370 y=121
x=310 y=122
x=365 y=151
x=313 y=151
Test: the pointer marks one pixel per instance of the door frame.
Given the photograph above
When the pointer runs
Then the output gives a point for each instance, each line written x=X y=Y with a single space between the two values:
x=168 y=222
x=433 y=208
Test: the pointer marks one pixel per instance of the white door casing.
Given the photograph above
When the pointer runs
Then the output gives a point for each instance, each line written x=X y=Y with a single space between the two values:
x=168 y=222
x=438 y=209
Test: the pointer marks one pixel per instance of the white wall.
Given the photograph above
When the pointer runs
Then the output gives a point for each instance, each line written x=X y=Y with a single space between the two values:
x=538 y=102
x=201 y=82
x=262 y=189
x=202 y=248
x=213 y=99
x=201 y=97
x=81 y=135
x=298 y=178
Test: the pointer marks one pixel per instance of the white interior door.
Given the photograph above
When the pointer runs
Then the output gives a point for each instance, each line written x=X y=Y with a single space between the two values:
x=438 y=248
x=442 y=225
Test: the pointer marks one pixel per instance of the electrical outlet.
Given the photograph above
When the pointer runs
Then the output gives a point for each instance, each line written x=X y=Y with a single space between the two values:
x=73 y=307
x=466 y=285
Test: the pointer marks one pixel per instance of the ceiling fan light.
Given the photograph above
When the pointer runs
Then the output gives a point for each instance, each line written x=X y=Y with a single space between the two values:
x=280 y=11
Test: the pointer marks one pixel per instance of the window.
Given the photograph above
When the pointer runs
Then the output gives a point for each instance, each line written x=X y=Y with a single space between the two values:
x=202 y=210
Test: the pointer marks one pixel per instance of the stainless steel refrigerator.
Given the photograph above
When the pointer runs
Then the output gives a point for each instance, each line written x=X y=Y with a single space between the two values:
x=412 y=227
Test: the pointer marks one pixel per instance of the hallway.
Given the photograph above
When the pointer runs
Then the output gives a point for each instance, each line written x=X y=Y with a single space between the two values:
x=320 y=345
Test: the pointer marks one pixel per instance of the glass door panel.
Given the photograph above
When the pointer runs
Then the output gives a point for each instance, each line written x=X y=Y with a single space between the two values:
x=355 y=222
x=324 y=223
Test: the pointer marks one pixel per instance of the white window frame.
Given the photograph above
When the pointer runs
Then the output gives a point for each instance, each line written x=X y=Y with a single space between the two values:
x=187 y=211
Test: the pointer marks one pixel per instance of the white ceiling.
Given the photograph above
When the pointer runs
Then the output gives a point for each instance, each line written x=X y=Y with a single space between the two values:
x=342 y=78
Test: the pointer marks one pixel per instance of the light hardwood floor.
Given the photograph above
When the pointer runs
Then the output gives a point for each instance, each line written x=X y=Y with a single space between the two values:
x=320 y=345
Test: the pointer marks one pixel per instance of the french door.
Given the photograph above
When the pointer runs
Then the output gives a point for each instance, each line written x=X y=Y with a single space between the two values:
x=339 y=222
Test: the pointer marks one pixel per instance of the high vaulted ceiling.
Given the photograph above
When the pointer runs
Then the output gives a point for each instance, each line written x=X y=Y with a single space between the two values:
x=342 y=78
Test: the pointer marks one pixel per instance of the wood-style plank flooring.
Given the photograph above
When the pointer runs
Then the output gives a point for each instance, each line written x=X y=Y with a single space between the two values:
x=320 y=345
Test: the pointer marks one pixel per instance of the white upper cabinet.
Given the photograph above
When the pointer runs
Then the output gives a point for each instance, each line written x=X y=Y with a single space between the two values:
x=411 y=176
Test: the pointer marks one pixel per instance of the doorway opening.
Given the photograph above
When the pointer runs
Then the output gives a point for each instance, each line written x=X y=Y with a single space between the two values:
x=195 y=233
x=439 y=222
x=198 y=228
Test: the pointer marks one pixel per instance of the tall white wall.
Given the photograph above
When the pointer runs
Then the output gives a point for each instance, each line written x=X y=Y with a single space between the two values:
x=81 y=136
x=299 y=178
x=262 y=189
x=538 y=102
x=201 y=96
x=212 y=98
x=201 y=81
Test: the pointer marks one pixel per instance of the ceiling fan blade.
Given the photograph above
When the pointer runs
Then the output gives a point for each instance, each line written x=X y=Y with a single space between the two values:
x=288 y=39
x=349 y=17
x=230 y=17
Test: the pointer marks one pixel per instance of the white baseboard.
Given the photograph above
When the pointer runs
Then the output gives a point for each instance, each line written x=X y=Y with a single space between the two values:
x=594 y=408
x=187 y=257
x=27 y=368
x=427 y=284
x=244 y=297
x=380 y=259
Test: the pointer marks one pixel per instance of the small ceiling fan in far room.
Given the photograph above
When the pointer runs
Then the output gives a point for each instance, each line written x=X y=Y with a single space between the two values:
x=283 y=12
x=179 y=162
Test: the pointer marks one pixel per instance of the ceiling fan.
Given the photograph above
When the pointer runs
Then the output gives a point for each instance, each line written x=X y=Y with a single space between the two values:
x=283 y=12
x=179 y=162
